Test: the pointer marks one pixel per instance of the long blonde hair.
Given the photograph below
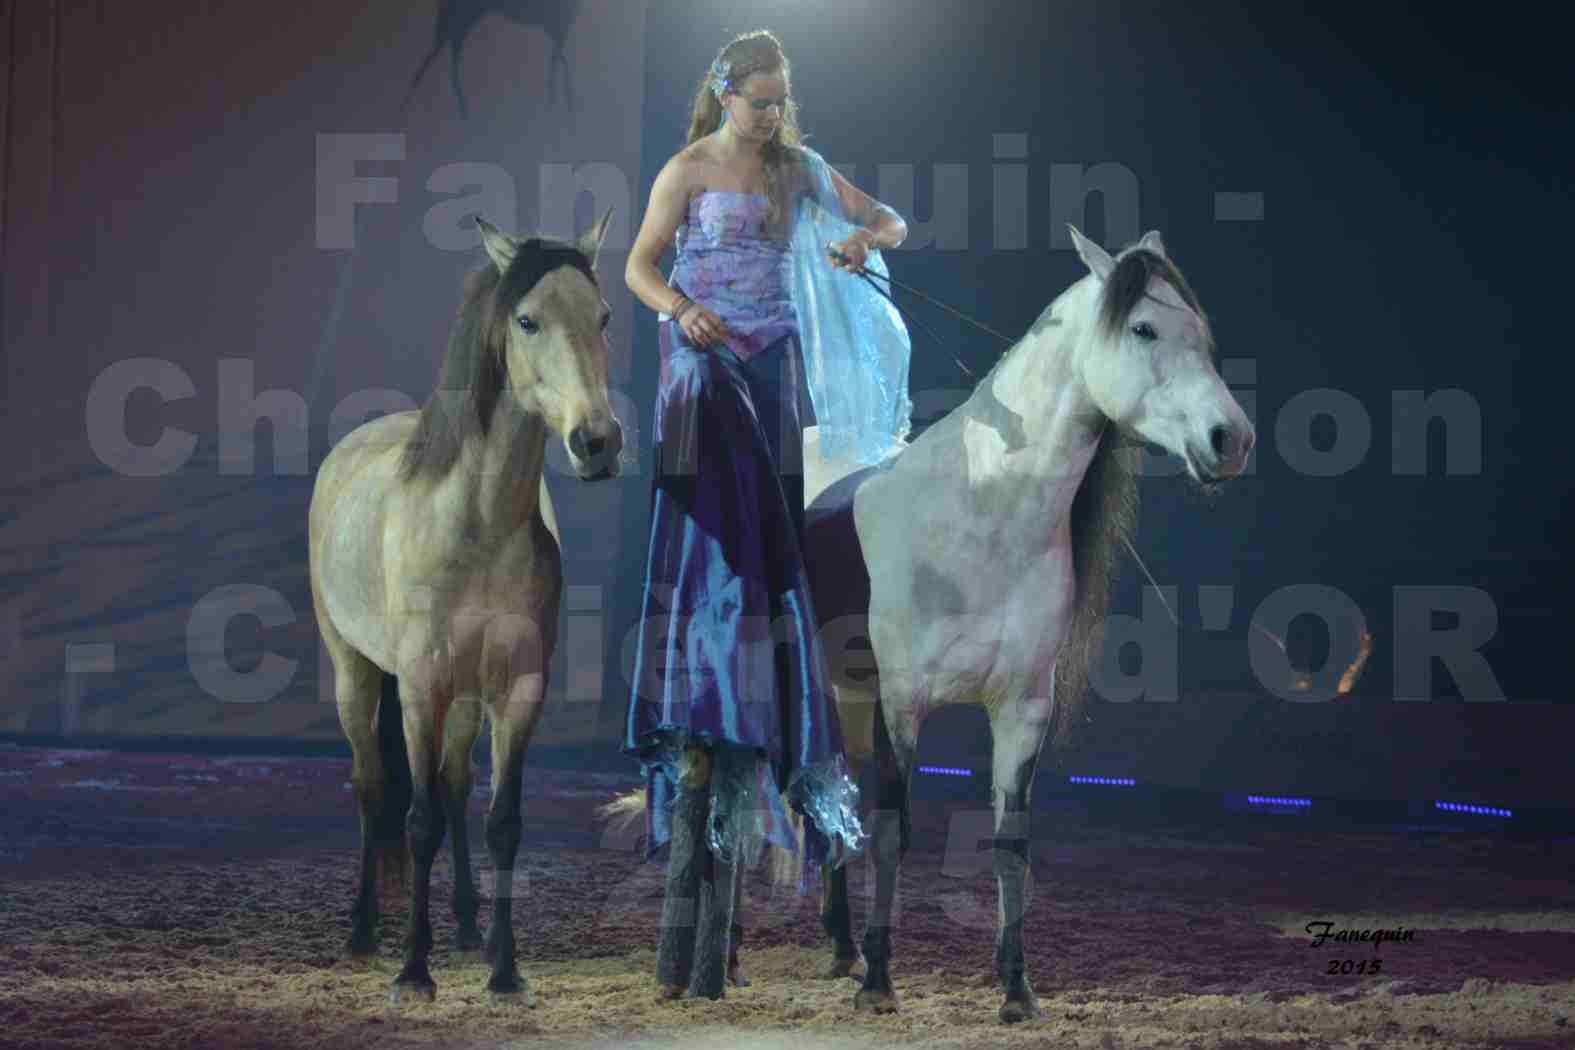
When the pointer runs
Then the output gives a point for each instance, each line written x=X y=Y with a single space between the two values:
x=746 y=55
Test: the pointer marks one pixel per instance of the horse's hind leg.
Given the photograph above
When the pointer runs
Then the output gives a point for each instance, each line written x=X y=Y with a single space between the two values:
x=735 y=969
x=836 y=918
x=1018 y=729
x=459 y=735
x=675 y=947
x=857 y=711
x=393 y=854
x=514 y=719
x=357 y=688
x=896 y=737
x=715 y=902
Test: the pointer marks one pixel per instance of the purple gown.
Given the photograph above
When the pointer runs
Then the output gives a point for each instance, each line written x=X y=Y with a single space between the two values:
x=728 y=654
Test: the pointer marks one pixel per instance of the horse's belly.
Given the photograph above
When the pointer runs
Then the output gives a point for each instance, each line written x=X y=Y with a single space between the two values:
x=982 y=637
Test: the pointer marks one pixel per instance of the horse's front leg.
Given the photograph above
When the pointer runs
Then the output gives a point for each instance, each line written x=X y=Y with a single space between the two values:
x=1018 y=728
x=425 y=704
x=459 y=734
x=514 y=719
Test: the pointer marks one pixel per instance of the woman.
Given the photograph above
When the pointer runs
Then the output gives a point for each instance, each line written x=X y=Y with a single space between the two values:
x=731 y=706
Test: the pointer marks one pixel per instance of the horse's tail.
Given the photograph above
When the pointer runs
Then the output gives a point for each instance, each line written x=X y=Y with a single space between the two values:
x=623 y=810
x=388 y=827
x=785 y=866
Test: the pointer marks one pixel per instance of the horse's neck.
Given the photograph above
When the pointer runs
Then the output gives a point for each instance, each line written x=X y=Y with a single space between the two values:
x=501 y=469
x=1030 y=430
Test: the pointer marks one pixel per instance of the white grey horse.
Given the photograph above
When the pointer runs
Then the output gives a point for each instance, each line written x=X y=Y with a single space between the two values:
x=434 y=557
x=982 y=555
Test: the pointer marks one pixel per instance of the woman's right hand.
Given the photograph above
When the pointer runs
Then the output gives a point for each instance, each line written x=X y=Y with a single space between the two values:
x=703 y=328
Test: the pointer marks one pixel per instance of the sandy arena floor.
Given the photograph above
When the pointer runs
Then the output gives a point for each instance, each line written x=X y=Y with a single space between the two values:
x=164 y=901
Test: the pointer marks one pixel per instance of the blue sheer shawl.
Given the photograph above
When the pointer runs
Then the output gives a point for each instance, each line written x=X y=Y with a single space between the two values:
x=855 y=345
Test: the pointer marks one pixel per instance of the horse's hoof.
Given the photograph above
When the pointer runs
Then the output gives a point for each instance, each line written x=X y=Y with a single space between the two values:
x=1014 y=1011
x=360 y=963
x=413 y=991
x=839 y=968
x=736 y=978
x=666 y=993
x=875 y=1001
x=517 y=993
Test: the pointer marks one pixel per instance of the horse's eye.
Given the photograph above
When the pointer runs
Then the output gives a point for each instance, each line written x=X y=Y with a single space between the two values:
x=1145 y=331
x=527 y=326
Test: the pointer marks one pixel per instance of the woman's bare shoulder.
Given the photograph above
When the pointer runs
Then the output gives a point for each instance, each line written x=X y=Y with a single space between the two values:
x=690 y=164
x=679 y=180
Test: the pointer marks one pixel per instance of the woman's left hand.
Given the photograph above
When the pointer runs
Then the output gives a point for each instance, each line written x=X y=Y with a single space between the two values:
x=855 y=251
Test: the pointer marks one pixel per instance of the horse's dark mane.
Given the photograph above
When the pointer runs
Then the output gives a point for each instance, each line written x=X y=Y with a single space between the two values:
x=474 y=369
x=1128 y=284
x=1104 y=511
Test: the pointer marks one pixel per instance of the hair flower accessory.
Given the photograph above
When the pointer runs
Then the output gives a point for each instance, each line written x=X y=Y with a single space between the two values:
x=720 y=84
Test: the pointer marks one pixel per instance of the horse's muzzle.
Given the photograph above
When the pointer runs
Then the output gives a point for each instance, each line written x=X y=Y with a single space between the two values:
x=1225 y=457
x=597 y=449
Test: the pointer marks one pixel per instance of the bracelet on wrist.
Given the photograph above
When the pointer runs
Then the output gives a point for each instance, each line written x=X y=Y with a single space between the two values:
x=682 y=307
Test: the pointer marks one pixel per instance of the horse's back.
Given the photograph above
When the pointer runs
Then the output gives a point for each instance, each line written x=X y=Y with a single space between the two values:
x=363 y=464
x=375 y=437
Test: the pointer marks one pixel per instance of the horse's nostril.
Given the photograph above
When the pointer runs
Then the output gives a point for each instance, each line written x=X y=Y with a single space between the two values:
x=1219 y=439
x=585 y=443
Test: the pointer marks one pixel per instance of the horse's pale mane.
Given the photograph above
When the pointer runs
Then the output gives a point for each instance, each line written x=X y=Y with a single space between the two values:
x=475 y=369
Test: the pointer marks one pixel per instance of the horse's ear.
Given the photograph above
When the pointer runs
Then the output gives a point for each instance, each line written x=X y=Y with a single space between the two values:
x=1094 y=257
x=500 y=246
x=1152 y=243
x=590 y=243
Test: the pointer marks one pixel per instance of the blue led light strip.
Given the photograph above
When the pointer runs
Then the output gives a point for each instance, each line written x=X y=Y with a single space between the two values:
x=1485 y=811
x=1273 y=800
